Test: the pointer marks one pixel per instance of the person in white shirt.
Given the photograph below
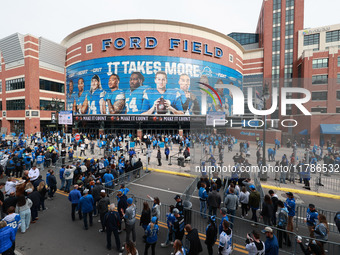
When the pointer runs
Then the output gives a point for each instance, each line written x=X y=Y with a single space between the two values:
x=254 y=245
x=33 y=173
x=10 y=186
x=82 y=149
x=225 y=245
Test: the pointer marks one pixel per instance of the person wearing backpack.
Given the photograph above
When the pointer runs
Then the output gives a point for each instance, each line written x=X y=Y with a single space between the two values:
x=282 y=223
x=112 y=222
x=321 y=230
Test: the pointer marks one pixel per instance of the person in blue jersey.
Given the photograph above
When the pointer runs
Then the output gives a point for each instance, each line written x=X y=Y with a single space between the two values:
x=134 y=96
x=79 y=98
x=151 y=233
x=290 y=204
x=114 y=101
x=311 y=219
x=93 y=98
x=70 y=97
x=169 y=99
x=190 y=102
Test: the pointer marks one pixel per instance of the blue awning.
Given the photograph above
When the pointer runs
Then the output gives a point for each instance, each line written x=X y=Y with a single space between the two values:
x=304 y=132
x=330 y=129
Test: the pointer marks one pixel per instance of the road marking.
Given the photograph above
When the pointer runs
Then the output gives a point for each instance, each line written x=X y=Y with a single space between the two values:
x=305 y=192
x=159 y=189
x=171 y=172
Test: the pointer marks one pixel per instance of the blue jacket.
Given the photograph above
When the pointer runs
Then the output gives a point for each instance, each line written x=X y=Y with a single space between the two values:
x=170 y=219
x=61 y=173
x=151 y=234
x=74 y=196
x=203 y=194
x=290 y=204
x=271 y=246
x=108 y=179
x=7 y=237
x=86 y=203
x=311 y=217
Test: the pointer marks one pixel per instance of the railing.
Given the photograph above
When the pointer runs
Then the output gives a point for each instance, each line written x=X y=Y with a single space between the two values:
x=239 y=233
x=225 y=183
x=126 y=178
x=318 y=181
x=301 y=212
x=176 y=155
x=258 y=187
x=189 y=191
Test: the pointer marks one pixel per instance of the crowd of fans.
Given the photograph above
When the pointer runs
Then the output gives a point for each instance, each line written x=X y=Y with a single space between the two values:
x=88 y=183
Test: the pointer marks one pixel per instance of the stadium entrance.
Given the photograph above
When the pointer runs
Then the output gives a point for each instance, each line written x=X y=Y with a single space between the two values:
x=159 y=126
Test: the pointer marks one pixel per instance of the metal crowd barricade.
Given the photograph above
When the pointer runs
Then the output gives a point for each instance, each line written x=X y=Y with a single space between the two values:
x=225 y=183
x=301 y=212
x=239 y=234
x=189 y=191
x=328 y=183
x=176 y=155
x=258 y=187
x=319 y=181
x=125 y=178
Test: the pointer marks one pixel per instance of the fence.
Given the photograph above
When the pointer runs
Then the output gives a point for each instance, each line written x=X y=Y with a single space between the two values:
x=176 y=156
x=300 y=216
x=318 y=181
x=258 y=187
x=239 y=233
x=126 y=178
x=189 y=191
x=225 y=183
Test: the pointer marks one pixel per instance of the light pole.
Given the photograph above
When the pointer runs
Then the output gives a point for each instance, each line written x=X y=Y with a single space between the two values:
x=56 y=105
x=265 y=97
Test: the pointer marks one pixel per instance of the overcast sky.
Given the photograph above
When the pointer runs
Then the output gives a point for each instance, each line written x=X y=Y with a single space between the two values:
x=54 y=20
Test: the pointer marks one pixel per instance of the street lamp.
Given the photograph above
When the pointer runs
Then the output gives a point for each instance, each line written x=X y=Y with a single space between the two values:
x=265 y=97
x=56 y=105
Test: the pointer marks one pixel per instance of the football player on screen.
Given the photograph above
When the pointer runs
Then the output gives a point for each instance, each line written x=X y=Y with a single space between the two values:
x=134 y=96
x=114 y=101
x=161 y=100
x=91 y=104
x=79 y=98
x=70 y=96
x=190 y=102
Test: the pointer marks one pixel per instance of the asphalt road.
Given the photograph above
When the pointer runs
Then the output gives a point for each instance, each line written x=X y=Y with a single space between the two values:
x=55 y=233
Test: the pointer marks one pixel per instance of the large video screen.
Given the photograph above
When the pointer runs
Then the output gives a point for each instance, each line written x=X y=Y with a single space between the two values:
x=149 y=85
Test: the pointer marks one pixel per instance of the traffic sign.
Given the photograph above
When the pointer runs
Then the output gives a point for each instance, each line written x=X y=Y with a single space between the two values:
x=77 y=137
